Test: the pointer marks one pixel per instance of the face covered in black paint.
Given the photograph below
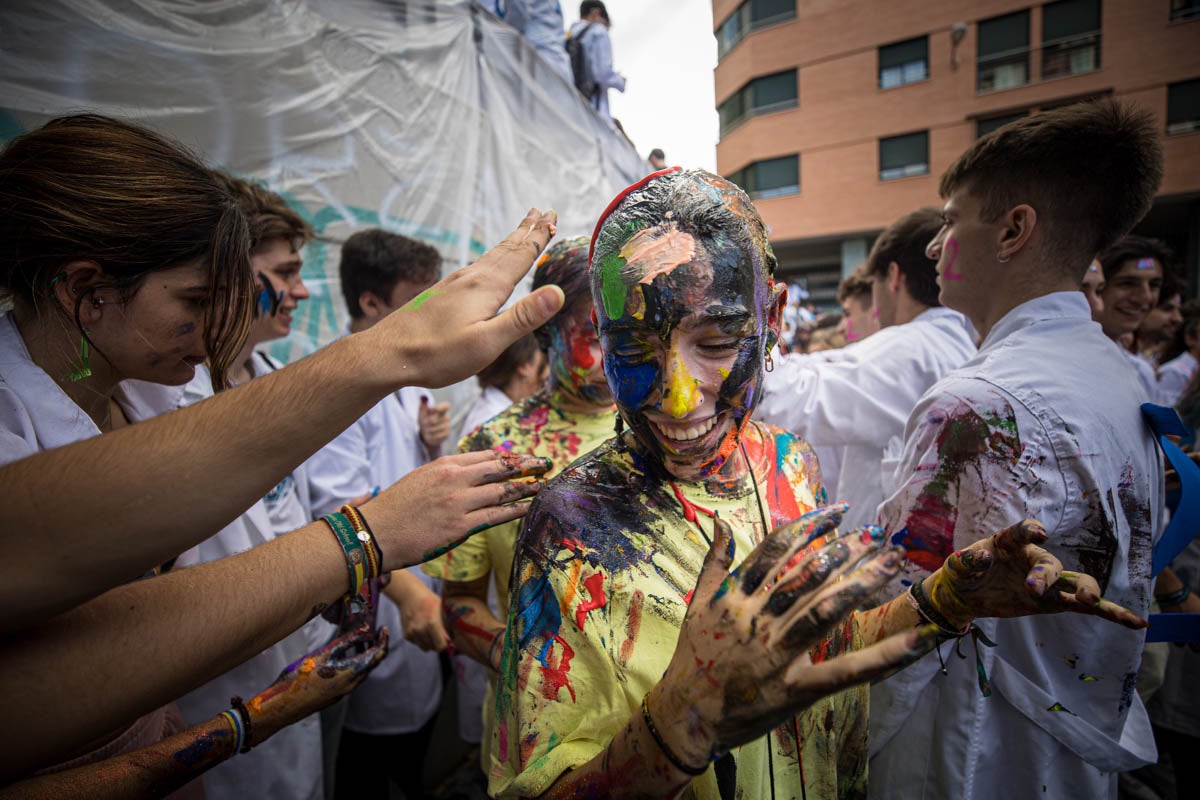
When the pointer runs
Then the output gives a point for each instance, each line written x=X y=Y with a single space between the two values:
x=685 y=322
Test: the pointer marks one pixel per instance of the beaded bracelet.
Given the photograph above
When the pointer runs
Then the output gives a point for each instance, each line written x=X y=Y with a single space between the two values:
x=352 y=548
x=1175 y=598
x=926 y=611
x=674 y=759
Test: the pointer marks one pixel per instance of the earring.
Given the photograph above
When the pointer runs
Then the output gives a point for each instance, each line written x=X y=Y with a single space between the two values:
x=80 y=368
x=770 y=367
x=1003 y=260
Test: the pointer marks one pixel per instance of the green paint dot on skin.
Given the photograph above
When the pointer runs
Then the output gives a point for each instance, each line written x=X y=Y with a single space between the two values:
x=420 y=300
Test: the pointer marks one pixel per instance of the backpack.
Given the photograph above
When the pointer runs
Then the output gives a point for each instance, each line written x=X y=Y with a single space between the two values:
x=579 y=69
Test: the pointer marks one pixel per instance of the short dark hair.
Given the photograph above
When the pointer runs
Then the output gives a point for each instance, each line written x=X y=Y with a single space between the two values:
x=904 y=241
x=1089 y=169
x=498 y=373
x=857 y=284
x=588 y=6
x=565 y=265
x=658 y=153
x=1136 y=247
x=376 y=260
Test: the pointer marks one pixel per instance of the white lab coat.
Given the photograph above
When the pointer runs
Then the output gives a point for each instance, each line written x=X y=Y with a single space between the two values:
x=490 y=402
x=597 y=51
x=381 y=447
x=289 y=764
x=1173 y=378
x=1145 y=375
x=859 y=402
x=1044 y=423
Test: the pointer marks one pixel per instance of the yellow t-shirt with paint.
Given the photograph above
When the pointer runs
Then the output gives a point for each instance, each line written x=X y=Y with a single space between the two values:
x=604 y=570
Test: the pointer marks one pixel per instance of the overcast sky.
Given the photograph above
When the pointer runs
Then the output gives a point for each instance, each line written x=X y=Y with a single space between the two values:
x=667 y=52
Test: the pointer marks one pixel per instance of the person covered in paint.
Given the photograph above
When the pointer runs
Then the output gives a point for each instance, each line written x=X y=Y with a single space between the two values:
x=567 y=419
x=634 y=662
x=856 y=405
x=1133 y=268
x=1043 y=422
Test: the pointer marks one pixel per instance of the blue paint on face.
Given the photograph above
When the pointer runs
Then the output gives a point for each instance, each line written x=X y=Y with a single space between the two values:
x=630 y=376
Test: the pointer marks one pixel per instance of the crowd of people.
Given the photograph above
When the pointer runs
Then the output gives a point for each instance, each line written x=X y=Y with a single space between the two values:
x=671 y=556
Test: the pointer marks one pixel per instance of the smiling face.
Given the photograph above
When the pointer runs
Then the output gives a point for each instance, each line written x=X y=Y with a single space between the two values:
x=684 y=332
x=1129 y=295
x=280 y=263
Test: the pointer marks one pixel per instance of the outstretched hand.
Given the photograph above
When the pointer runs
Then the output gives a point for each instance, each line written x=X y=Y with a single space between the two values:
x=1010 y=575
x=316 y=681
x=440 y=504
x=452 y=330
x=742 y=665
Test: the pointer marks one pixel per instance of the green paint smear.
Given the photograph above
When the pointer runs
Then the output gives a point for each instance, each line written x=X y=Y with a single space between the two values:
x=420 y=300
x=612 y=289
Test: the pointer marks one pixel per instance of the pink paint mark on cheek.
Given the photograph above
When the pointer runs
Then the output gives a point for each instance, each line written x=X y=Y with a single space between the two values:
x=950 y=252
x=851 y=334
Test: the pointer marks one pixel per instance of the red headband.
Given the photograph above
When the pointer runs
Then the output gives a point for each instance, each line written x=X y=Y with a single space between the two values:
x=616 y=201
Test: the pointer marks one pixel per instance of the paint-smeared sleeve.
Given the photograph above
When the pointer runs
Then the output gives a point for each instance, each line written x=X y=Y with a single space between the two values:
x=559 y=702
x=970 y=468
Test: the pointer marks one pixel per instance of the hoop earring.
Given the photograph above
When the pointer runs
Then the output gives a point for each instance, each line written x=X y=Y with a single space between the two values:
x=770 y=365
x=1003 y=260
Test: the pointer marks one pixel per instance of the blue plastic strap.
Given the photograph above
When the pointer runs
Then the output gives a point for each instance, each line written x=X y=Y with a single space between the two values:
x=1185 y=516
x=1174 y=628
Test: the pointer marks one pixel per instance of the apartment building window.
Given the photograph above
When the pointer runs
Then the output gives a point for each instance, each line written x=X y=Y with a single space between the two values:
x=903 y=156
x=904 y=62
x=770 y=178
x=985 y=126
x=1003 y=52
x=1183 y=107
x=749 y=17
x=1184 y=10
x=759 y=96
x=1070 y=37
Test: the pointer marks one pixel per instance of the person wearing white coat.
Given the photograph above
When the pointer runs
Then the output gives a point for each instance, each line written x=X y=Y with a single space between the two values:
x=857 y=404
x=592 y=32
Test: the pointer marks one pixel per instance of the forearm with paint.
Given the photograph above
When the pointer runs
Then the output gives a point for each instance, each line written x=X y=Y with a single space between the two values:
x=476 y=632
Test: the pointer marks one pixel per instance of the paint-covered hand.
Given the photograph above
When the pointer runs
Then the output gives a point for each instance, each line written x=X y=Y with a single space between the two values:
x=1010 y=575
x=316 y=680
x=434 y=422
x=437 y=506
x=742 y=663
x=452 y=330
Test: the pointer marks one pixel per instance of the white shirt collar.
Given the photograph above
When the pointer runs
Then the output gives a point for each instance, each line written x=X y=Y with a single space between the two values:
x=1056 y=305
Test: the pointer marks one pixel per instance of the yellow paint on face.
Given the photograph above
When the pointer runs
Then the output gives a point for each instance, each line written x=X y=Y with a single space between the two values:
x=636 y=304
x=683 y=391
x=724 y=373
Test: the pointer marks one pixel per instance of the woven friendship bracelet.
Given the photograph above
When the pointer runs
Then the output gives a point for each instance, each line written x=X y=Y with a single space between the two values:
x=925 y=610
x=352 y=548
x=366 y=537
x=674 y=759
x=244 y=715
x=239 y=733
x=1175 y=598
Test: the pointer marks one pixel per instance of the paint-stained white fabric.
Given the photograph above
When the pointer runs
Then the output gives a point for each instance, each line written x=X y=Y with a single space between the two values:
x=1043 y=423
x=1173 y=378
x=860 y=401
x=289 y=764
x=491 y=401
x=380 y=448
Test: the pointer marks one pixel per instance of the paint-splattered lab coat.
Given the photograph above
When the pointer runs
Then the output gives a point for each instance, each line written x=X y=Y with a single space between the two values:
x=605 y=567
x=536 y=426
x=1042 y=423
x=860 y=402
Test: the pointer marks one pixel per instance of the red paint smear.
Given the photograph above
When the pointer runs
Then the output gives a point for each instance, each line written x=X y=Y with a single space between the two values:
x=595 y=586
x=633 y=624
x=689 y=508
x=554 y=677
x=473 y=630
x=581 y=352
x=616 y=201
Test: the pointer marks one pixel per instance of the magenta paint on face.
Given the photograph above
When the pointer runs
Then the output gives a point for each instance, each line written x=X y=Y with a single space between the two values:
x=950 y=251
x=851 y=335
x=1146 y=263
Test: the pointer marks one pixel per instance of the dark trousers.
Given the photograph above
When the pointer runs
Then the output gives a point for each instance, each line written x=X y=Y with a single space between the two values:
x=367 y=763
x=1184 y=751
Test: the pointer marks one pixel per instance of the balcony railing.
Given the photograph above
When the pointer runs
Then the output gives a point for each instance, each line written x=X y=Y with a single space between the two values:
x=1072 y=55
